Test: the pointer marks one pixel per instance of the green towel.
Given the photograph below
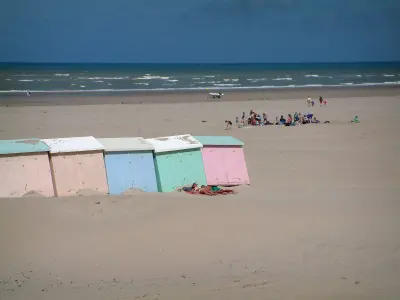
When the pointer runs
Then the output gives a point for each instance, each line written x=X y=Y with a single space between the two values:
x=215 y=188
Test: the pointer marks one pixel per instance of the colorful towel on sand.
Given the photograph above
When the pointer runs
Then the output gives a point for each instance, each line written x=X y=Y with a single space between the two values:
x=208 y=191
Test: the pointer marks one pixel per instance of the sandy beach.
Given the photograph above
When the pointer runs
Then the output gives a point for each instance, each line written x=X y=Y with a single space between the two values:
x=319 y=221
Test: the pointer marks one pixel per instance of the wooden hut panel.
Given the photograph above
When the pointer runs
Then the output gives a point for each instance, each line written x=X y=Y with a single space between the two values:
x=179 y=168
x=74 y=172
x=25 y=173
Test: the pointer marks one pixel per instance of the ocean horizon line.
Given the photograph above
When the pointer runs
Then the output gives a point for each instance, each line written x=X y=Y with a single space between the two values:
x=199 y=63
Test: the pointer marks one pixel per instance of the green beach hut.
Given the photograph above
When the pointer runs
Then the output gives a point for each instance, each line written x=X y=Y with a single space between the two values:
x=178 y=162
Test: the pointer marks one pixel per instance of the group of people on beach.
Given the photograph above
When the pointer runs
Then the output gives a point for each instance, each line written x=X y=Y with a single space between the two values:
x=255 y=119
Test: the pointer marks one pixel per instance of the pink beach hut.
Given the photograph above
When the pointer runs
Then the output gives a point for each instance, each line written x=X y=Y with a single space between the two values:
x=224 y=161
x=77 y=164
x=24 y=168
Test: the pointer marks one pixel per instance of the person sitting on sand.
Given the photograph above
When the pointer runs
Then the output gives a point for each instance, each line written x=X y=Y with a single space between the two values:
x=355 y=120
x=258 y=119
x=254 y=120
x=228 y=125
x=315 y=121
x=289 y=120
x=265 y=119
x=282 y=120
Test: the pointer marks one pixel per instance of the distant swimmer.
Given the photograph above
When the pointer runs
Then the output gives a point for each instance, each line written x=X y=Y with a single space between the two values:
x=28 y=93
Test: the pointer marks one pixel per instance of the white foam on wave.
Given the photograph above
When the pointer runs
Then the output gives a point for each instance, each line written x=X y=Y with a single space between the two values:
x=200 y=88
x=109 y=83
x=209 y=76
x=358 y=75
x=310 y=85
x=26 y=80
x=196 y=78
x=83 y=86
x=256 y=79
x=141 y=83
x=25 y=75
x=173 y=80
x=103 y=78
x=388 y=75
x=8 y=79
x=61 y=74
x=227 y=84
x=316 y=76
x=99 y=81
x=149 y=77
x=231 y=79
x=283 y=78
x=346 y=83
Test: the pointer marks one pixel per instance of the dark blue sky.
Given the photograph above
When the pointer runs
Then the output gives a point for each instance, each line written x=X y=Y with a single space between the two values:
x=199 y=30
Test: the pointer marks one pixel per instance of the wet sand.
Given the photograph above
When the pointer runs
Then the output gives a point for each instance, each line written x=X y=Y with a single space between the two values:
x=319 y=221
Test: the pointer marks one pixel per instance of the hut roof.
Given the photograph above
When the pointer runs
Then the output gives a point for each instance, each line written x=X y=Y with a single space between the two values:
x=73 y=144
x=219 y=141
x=125 y=144
x=22 y=146
x=174 y=143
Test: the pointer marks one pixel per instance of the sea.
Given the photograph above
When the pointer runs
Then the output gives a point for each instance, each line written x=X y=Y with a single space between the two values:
x=18 y=78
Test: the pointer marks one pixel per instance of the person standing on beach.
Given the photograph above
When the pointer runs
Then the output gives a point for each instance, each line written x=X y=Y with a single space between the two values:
x=309 y=101
x=320 y=101
x=228 y=125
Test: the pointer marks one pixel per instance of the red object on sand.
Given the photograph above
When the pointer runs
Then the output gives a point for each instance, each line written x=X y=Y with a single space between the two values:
x=206 y=191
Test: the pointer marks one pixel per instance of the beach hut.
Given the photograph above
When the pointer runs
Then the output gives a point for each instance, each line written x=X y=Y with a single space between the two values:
x=129 y=164
x=77 y=164
x=177 y=161
x=24 y=168
x=224 y=161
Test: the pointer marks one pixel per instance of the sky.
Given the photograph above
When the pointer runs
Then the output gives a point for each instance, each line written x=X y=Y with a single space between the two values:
x=184 y=31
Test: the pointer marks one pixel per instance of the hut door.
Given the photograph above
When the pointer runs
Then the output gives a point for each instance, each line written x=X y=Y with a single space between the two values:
x=214 y=166
x=235 y=166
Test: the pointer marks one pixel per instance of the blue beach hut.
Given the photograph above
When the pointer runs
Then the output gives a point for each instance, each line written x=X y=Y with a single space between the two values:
x=129 y=164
